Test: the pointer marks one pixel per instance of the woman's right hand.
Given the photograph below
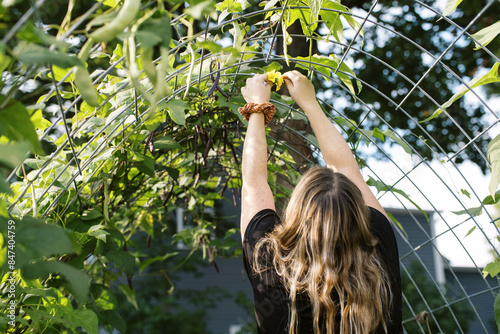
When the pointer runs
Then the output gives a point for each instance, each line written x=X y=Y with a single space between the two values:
x=300 y=88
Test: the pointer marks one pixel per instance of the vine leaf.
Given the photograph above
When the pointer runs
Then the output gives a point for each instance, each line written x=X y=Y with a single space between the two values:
x=32 y=54
x=382 y=135
x=492 y=269
x=493 y=154
x=329 y=13
x=486 y=35
x=451 y=5
x=315 y=6
x=176 y=110
x=78 y=279
x=13 y=154
x=326 y=65
x=470 y=231
x=35 y=239
x=123 y=260
x=87 y=319
x=166 y=142
x=490 y=77
x=14 y=114
x=477 y=211
x=381 y=187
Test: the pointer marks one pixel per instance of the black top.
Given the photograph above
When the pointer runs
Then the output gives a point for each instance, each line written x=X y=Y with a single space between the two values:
x=270 y=296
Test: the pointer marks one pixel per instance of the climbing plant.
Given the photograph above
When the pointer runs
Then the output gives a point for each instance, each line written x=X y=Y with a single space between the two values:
x=118 y=117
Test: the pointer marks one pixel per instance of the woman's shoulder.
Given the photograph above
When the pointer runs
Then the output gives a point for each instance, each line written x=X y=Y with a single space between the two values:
x=261 y=223
x=381 y=227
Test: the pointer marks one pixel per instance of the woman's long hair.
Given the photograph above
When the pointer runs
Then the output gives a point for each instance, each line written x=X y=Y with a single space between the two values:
x=324 y=249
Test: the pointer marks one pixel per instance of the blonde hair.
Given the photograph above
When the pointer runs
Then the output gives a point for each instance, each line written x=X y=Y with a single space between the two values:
x=324 y=248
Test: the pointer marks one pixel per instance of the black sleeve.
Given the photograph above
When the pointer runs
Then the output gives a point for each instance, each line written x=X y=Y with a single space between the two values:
x=261 y=224
x=387 y=248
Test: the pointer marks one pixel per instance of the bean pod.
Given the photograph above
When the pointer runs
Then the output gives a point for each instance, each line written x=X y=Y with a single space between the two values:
x=84 y=84
x=126 y=15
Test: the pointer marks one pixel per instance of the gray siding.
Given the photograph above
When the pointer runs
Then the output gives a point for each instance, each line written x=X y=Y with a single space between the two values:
x=480 y=292
x=414 y=245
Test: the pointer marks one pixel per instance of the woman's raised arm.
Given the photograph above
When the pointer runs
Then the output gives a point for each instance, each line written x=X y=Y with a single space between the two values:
x=256 y=193
x=336 y=153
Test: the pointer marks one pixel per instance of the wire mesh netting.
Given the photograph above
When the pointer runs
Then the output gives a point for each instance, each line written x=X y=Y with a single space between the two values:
x=399 y=79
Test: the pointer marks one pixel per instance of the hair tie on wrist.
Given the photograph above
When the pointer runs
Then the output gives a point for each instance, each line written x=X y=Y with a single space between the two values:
x=268 y=109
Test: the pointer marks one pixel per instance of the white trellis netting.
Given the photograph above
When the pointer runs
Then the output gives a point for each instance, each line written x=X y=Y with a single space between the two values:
x=421 y=179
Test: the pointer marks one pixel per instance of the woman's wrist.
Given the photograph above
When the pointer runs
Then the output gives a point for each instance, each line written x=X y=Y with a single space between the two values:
x=266 y=108
x=310 y=107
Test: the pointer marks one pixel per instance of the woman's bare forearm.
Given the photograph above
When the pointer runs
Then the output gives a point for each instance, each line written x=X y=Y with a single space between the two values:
x=254 y=161
x=333 y=146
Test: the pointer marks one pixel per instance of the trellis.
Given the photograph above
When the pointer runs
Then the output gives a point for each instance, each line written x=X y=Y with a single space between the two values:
x=83 y=167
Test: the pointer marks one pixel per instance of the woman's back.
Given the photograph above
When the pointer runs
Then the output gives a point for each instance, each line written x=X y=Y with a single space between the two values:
x=271 y=297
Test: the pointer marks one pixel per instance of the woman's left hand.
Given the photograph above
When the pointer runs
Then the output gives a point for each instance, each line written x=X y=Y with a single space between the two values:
x=257 y=89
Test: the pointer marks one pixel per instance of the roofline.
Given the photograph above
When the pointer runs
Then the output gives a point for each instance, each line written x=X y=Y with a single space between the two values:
x=412 y=211
x=464 y=269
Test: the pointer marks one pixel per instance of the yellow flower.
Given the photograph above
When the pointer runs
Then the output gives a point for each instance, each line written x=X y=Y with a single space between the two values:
x=275 y=78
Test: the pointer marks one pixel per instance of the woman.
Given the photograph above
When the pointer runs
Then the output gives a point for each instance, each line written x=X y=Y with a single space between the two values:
x=331 y=265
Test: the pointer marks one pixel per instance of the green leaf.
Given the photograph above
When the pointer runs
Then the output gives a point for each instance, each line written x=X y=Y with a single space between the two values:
x=332 y=19
x=159 y=26
x=144 y=163
x=490 y=77
x=113 y=318
x=465 y=192
x=176 y=109
x=4 y=186
x=273 y=66
x=13 y=154
x=14 y=114
x=37 y=55
x=381 y=187
x=470 y=231
x=166 y=142
x=327 y=65
x=79 y=280
x=491 y=269
x=91 y=215
x=315 y=6
x=486 y=35
x=149 y=261
x=398 y=224
x=30 y=33
x=210 y=46
x=98 y=232
x=35 y=239
x=451 y=5
x=224 y=5
x=473 y=212
x=4 y=60
x=103 y=297
x=200 y=10
x=87 y=319
x=172 y=172
x=123 y=260
x=146 y=221
x=129 y=294
x=387 y=133
x=3 y=251
x=493 y=154
x=148 y=39
x=490 y=200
